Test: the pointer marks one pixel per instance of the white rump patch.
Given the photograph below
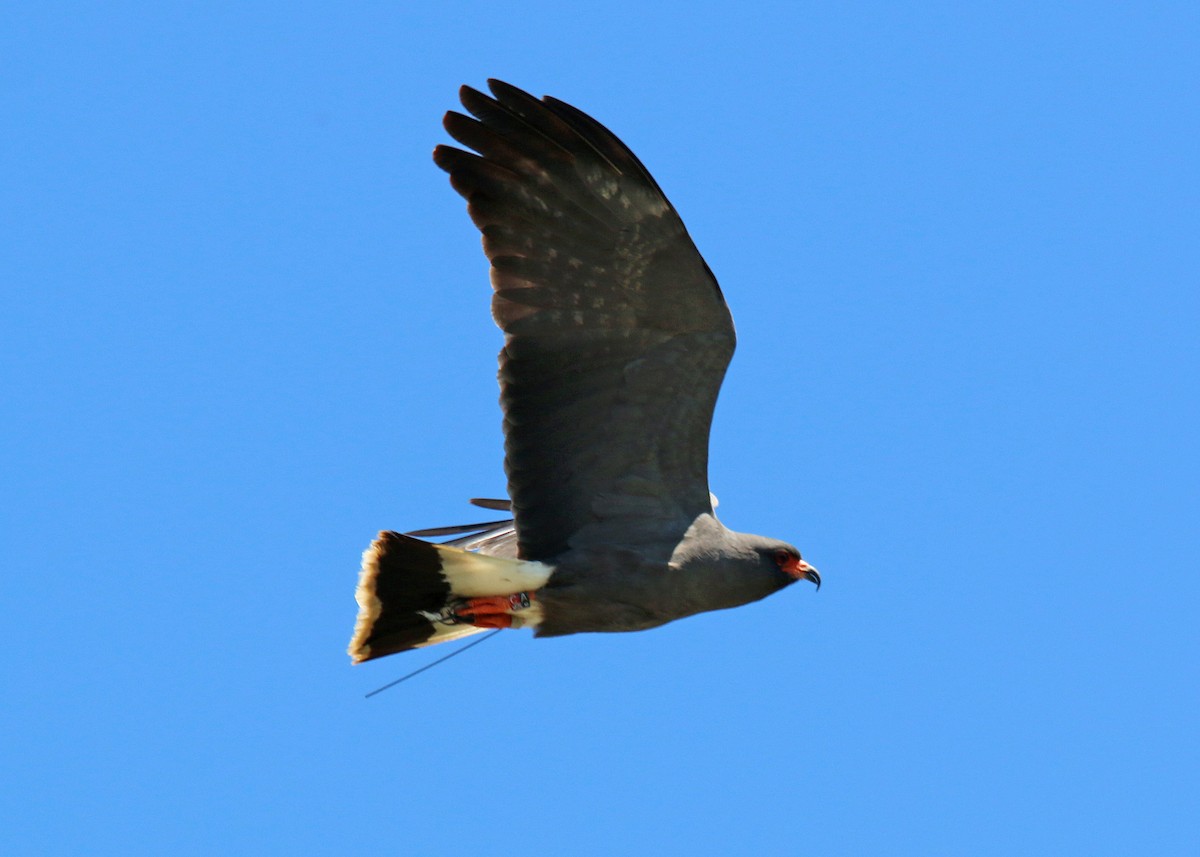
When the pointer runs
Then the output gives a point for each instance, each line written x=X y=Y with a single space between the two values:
x=475 y=575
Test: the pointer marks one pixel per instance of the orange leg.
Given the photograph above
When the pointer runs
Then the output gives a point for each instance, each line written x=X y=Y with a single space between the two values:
x=494 y=611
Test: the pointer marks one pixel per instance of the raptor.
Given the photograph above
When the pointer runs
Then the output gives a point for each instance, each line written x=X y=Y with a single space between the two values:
x=616 y=341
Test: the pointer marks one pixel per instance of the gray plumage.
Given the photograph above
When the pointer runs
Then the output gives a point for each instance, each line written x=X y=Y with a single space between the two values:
x=616 y=341
x=616 y=588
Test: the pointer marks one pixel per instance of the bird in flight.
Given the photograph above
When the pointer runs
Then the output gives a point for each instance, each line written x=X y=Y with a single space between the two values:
x=616 y=340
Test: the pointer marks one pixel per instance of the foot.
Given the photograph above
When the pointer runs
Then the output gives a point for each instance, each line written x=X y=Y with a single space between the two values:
x=494 y=611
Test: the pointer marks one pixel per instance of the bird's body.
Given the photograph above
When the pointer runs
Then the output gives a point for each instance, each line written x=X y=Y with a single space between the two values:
x=624 y=589
x=617 y=338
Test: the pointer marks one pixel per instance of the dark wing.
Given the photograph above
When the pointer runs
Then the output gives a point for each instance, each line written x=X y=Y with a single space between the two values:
x=617 y=335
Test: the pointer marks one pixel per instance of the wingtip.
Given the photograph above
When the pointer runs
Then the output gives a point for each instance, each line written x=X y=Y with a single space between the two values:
x=450 y=158
x=508 y=95
x=440 y=157
x=498 y=505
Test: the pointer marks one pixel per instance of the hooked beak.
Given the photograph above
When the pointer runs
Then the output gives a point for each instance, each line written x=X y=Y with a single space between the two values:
x=801 y=570
x=806 y=570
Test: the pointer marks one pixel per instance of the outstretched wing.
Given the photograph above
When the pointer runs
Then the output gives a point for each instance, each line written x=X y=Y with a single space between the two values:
x=617 y=335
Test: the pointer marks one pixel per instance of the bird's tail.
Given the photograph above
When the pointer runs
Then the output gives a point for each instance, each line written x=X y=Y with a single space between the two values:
x=407 y=588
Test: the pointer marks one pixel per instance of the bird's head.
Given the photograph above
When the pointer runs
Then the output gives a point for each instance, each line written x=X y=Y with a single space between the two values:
x=787 y=559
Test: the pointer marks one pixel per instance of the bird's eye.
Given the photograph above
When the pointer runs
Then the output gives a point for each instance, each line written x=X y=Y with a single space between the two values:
x=782 y=557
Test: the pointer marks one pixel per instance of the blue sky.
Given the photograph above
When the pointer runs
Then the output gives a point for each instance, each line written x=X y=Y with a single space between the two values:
x=245 y=325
